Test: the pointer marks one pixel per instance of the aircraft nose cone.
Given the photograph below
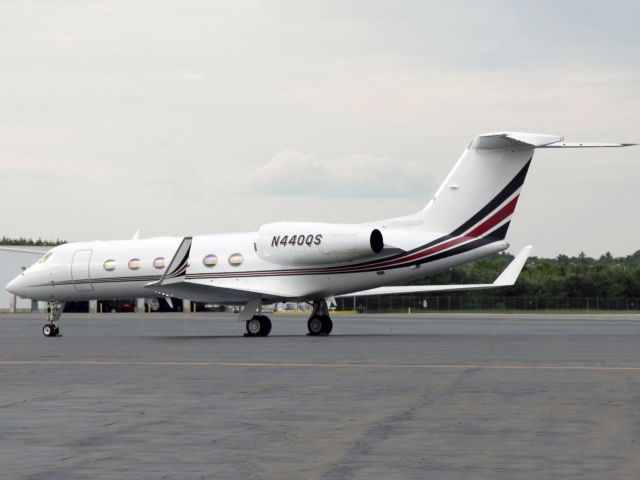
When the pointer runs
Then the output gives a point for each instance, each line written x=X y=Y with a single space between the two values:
x=14 y=286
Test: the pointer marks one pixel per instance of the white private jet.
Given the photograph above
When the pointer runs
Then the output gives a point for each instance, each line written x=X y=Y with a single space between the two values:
x=466 y=219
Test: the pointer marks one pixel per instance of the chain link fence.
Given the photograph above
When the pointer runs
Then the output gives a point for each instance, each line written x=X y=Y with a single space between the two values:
x=419 y=303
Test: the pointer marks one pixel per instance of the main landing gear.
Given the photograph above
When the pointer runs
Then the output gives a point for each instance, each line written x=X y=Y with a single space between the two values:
x=320 y=322
x=258 y=326
x=54 y=313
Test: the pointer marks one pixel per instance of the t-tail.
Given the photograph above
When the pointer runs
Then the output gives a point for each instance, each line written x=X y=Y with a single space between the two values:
x=479 y=196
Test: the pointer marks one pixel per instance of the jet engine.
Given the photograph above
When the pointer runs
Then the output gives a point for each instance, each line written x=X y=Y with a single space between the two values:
x=308 y=243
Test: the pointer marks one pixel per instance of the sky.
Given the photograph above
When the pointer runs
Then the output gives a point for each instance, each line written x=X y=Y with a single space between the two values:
x=194 y=117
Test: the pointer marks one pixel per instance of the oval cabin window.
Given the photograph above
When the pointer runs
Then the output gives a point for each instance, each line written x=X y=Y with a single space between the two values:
x=135 y=264
x=158 y=263
x=110 y=265
x=210 y=261
x=236 y=259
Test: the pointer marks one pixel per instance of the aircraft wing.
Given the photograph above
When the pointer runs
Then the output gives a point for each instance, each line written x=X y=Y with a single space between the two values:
x=507 y=278
x=199 y=292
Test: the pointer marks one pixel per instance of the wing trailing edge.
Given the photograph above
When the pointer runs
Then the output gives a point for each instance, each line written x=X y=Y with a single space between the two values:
x=506 y=279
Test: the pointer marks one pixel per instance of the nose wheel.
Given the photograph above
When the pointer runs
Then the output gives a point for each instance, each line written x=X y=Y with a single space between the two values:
x=50 y=330
x=54 y=313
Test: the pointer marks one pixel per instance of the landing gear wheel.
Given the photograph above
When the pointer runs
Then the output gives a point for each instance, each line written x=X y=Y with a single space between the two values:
x=50 y=330
x=314 y=324
x=57 y=330
x=258 y=326
x=327 y=324
x=319 y=325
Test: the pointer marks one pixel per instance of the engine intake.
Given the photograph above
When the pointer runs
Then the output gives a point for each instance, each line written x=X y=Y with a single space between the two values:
x=307 y=243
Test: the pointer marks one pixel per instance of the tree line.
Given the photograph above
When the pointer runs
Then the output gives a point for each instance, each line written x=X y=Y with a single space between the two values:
x=30 y=242
x=560 y=277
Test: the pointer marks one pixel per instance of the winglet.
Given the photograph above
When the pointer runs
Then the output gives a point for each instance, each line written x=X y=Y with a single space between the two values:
x=177 y=269
x=510 y=274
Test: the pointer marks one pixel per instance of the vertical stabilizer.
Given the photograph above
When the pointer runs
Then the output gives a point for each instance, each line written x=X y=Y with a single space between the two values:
x=480 y=194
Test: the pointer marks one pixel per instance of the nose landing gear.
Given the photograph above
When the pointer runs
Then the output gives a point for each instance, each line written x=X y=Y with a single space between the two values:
x=54 y=313
x=50 y=330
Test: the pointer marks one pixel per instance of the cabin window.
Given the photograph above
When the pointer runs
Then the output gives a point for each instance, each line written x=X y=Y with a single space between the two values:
x=210 y=261
x=135 y=264
x=109 y=265
x=158 y=263
x=236 y=259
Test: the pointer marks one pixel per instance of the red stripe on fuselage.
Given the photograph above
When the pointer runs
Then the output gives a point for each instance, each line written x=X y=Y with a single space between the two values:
x=491 y=222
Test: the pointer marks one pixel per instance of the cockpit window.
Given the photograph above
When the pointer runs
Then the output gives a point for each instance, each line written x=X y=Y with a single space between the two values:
x=46 y=257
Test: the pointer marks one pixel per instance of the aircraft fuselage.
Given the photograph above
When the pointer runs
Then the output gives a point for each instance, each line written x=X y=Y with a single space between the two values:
x=121 y=269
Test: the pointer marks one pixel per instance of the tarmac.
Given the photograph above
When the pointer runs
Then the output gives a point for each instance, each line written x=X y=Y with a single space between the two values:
x=185 y=396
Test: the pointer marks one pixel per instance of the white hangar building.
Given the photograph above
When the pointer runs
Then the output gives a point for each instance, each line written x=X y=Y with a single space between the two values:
x=13 y=260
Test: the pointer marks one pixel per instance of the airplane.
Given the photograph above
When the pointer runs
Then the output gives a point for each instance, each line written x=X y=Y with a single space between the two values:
x=466 y=219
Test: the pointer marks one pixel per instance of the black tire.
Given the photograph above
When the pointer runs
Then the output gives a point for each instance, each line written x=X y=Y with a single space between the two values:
x=327 y=324
x=315 y=325
x=253 y=327
x=265 y=325
x=56 y=330
x=48 y=330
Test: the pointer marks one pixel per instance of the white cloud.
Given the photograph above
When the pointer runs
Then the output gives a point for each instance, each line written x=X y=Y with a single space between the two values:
x=192 y=76
x=351 y=175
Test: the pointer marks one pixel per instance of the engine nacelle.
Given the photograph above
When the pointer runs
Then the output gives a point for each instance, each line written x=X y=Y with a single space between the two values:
x=308 y=243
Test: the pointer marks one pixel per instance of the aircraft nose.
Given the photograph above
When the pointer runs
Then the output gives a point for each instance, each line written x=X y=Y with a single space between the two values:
x=15 y=286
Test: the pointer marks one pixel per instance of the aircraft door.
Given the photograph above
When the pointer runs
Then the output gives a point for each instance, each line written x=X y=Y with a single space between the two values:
x=80 y=270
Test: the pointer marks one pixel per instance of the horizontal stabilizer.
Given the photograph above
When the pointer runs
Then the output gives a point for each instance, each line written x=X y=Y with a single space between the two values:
x=529 y=141
x=507 y=278
x=586 y=145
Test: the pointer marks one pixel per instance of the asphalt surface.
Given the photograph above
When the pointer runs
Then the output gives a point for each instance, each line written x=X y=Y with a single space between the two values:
x=385 y=396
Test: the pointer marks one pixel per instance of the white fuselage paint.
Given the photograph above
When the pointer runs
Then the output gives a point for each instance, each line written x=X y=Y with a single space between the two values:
x=61 y=278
